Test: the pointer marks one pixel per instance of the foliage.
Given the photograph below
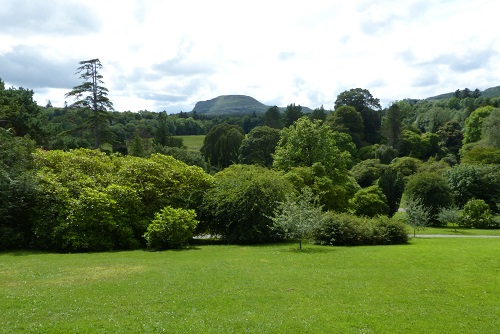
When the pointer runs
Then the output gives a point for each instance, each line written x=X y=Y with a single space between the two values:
x=171 y=229
x=434 y=166
x=491 y=129
x=392 y=124
x=17 y=190
x=305 y=143
x=20 y=113
x=258 y=146
x=348 y=230
x=432 y=119
x=240 y=203
x=192 y=158
x=418 y=215
x=292 y=114
x=473 y=124
x=451 y=136
x=477 y=214
x=367 y=172
x=479 y=154
x=318 y=113
x=161 y=181
x=90 y=201
x=385 y=153
x=331 y=196
x=272 y=118
x=406 y=166
x=346 y=146
x=347 y=119
x=369 y=108
x=410 y=144
x=298 y=216
x=369 y=202
x=221 y=145
x=475 y=181
x=450 y=215
x=92 y=95
x=392 y=185
x=432 y=190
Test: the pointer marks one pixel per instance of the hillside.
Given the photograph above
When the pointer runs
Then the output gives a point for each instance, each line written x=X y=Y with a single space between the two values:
x=489 y=92
x=230 y=104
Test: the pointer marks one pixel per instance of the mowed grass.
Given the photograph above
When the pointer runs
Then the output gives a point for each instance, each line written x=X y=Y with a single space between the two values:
x=193 y=143
x=428 y=286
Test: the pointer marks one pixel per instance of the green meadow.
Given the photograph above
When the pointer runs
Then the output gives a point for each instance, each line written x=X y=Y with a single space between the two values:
x=193 y=143
x=428 y=286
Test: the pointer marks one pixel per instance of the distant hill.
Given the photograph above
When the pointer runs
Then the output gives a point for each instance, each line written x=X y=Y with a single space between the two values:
x=489 y=92
x=229 y=104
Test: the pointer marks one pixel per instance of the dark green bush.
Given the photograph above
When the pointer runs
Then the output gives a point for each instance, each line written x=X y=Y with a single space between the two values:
x=348 y=230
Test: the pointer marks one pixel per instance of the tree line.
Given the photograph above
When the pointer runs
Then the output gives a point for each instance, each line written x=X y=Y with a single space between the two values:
x=348 y=168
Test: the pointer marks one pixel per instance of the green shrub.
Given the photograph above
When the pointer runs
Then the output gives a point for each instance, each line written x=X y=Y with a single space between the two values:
x=433 y=191
x=369 y=202
x=451 y=215
x=477 y=214
x=171 y=229
x=348 y=230
x=389 y=231
x=239 y=205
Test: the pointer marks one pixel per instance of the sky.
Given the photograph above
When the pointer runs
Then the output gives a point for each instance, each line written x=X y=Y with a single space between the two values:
x=167 y=55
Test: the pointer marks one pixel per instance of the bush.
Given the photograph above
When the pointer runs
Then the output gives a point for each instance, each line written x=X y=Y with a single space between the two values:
x=477 y=214
x=171 y=229
x=433 y=190
x=348 y=230
x=471 y=181
x=450 y=215
x=239 y=205
x=369 y=202
x=389 y=231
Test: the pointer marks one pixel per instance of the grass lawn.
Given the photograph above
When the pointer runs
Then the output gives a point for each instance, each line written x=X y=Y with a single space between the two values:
x=193 y=143
x=428 y=286
x=450 y=229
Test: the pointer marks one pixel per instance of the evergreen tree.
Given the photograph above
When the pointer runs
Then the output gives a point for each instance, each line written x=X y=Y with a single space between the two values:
x=92 y=95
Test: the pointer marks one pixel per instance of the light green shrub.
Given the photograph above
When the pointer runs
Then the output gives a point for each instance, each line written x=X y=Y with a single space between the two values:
x=171 y=229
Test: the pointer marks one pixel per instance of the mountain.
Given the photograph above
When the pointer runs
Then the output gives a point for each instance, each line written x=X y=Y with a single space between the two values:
x=229 y=104
x=489 y=92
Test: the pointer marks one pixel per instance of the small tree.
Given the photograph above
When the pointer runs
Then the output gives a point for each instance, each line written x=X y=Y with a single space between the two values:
x=417 y=215
x=451 y=215
x=298 y=216
x=171 y=228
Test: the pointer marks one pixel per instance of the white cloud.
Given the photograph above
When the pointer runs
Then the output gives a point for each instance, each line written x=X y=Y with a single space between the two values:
x=166 y=55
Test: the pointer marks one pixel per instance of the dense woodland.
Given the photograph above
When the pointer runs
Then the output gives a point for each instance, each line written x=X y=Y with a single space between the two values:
x=83 y=179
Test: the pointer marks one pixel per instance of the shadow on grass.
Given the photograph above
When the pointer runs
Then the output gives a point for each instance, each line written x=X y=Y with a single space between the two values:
x=308 y=249
x=22 y=252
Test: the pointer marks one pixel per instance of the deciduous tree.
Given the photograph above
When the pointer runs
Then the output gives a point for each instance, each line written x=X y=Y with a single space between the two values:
x=221 y=145
x=369 y=108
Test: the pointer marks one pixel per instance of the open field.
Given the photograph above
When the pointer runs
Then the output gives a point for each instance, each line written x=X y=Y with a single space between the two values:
x=430 y=285
x=193 y=143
